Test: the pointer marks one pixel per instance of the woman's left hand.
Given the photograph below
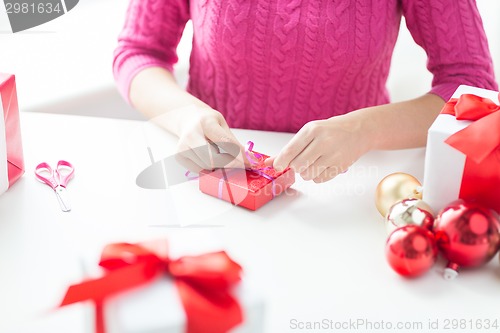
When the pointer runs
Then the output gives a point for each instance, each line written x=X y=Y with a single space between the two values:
x=322 y=149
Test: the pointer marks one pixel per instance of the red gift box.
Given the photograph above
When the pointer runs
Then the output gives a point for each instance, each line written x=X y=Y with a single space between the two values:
x=249 y=188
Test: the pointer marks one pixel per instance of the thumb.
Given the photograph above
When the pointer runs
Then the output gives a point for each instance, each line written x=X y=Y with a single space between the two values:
x=224 y=139
x=269 y=161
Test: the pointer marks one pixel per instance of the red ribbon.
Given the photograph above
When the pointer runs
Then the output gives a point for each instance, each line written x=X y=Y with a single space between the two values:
x=203 y=282
x=481 y=138
x=480 y=142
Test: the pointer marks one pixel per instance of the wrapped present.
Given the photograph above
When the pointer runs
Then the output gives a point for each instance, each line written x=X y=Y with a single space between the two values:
x=142 y=289
x=250 y=188
x=463 y=151
x=11 y=150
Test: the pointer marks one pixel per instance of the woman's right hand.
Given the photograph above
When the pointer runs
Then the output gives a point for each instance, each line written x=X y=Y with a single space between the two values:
x=205 y=140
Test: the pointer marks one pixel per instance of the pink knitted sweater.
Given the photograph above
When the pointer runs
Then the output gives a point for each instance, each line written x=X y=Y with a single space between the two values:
x=277 y=64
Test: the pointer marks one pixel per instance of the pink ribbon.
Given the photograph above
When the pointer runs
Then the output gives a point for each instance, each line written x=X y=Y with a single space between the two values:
x=189 y=176
x=257 y=165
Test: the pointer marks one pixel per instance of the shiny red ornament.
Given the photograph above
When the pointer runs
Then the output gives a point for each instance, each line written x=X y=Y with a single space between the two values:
x=467 y=234
x=411 y=250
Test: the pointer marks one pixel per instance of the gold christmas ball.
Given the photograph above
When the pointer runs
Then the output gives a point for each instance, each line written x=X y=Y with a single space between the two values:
x=395 y=187
x=409 y=211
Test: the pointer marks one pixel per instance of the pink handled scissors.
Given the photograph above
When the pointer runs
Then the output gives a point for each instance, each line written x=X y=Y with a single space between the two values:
x=57 y=179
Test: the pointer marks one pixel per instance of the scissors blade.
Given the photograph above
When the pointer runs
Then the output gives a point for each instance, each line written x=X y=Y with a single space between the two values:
x=62 y=197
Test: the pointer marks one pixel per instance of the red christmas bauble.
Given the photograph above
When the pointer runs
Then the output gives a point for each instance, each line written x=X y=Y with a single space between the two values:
x=467 y=234
x=411 y=250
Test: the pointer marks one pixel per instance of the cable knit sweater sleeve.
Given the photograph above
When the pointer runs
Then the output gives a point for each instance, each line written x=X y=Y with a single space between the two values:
x=149 y=38
x=452 y=34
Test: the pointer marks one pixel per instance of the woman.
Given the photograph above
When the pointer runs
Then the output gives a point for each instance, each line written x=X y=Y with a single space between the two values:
x=315 y=67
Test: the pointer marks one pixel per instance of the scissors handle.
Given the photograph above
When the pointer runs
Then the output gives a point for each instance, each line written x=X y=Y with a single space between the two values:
x=64 y=178
x=51 y=181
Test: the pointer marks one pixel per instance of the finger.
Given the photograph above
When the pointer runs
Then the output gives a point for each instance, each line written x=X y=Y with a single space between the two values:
x=233 y=150
x=214 y=146
x=190 y=155
x=224 y=138
x=205 y=152
x=227 y=147
x=188 y=163
x=293 y=149
x=208 y=157
x=197 y=151
x=233 y=139
x=328 y=174
x=315 y=169
x=227 y=161
x=306 y=159
x=269 y=161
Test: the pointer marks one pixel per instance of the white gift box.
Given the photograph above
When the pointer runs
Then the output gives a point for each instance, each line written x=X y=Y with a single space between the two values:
x=444 y=165
x=156 y=307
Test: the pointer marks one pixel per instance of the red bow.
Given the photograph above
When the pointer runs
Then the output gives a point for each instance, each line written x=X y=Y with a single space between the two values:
x=481 y=138
x=203 y=282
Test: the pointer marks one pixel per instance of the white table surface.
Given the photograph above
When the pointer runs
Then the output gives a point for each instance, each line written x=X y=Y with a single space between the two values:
x=320 y=249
